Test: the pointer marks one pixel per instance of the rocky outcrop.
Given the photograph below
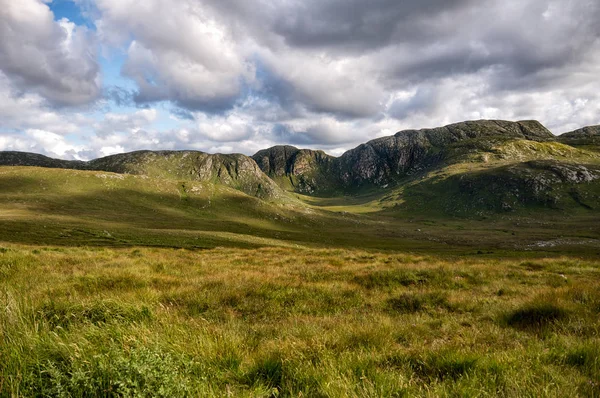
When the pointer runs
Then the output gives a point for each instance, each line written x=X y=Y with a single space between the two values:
x=386 y=160
x=383 y=160
x=236 y=171
x=536 y=183
x=302 y=170
x=585 y=136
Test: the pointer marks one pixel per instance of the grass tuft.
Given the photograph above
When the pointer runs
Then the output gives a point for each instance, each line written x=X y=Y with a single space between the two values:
x=64 y=314
x=268 y=372
x=536 y=315
x=408 y=303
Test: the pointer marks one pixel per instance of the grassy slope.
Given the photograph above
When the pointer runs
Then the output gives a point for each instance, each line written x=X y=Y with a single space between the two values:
x=67 y=207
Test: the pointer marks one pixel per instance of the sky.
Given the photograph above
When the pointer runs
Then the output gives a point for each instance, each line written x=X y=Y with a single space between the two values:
x=81 y=79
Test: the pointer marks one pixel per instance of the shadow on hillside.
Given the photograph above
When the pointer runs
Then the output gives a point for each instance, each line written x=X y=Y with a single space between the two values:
x=13 y=184
x=155 y=219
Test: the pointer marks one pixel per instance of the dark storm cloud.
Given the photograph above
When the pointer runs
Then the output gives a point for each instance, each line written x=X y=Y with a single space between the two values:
x=518 y=41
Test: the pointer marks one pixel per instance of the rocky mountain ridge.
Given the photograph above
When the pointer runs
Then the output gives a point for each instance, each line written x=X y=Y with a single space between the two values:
x=386 y=160
x=471 y=160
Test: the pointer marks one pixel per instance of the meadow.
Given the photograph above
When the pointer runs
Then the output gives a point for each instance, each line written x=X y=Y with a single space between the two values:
x=136 y=287
x=295 y=322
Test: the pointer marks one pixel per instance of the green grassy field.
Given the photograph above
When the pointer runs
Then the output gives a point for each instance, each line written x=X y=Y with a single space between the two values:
x=116 y=285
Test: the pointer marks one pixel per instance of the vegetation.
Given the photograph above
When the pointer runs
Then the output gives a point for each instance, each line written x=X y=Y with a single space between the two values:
x=295 y=321
x=131 y=285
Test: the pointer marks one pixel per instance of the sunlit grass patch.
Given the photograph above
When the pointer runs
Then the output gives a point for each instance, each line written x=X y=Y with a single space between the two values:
x=65 y=314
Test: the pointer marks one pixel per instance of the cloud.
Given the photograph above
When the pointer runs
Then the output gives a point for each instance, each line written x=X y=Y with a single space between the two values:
x=55 y=59
x=21 y=111
x=177 y=52
x=229 y=75
x=125 y=122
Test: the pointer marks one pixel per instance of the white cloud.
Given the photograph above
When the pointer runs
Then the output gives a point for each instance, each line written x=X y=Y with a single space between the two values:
x=22 y=111
x=55 y=59
x=178 y=52
x=242 y=76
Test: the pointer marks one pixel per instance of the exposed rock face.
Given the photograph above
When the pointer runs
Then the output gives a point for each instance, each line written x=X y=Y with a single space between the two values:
x=384 y=160
x=585 y=136
x=544 y=183
x=236 y=171
x=305 y=170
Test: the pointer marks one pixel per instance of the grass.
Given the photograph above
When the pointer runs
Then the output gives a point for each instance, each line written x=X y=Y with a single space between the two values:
x=290 y=321
x=117 y=285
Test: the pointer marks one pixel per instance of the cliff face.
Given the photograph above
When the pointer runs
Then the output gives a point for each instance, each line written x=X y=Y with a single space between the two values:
x=302 y=170
x=385 y=160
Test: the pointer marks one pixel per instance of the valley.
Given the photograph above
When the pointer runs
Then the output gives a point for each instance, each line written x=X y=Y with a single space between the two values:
x=455 y=261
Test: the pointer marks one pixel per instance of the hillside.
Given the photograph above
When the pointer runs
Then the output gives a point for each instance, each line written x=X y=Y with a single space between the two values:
x=235 y=170
x=464 y=169
x=387 y=160
x=587 y=137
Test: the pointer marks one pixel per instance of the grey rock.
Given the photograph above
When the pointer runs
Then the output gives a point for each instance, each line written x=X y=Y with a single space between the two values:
x=386 y=160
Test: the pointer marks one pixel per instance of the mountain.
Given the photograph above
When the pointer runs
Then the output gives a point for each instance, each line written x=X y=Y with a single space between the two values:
x=587 y=136
x=463 y=169
x=469 y=168
x=387 y=160
x=236 y=171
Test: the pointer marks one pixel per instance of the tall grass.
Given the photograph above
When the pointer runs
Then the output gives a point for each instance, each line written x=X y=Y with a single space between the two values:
x=294 y=322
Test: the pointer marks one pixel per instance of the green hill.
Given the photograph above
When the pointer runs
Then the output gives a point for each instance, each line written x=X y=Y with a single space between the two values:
x=465 y=169
x=235 y=170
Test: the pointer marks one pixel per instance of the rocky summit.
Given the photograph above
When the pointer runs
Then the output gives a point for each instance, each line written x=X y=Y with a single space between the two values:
x=386 y=160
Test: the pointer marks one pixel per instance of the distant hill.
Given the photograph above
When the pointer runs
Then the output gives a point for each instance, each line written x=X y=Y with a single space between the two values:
x=469 y=168
x=235 y=171
x=587 y=136
x=387 y=160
